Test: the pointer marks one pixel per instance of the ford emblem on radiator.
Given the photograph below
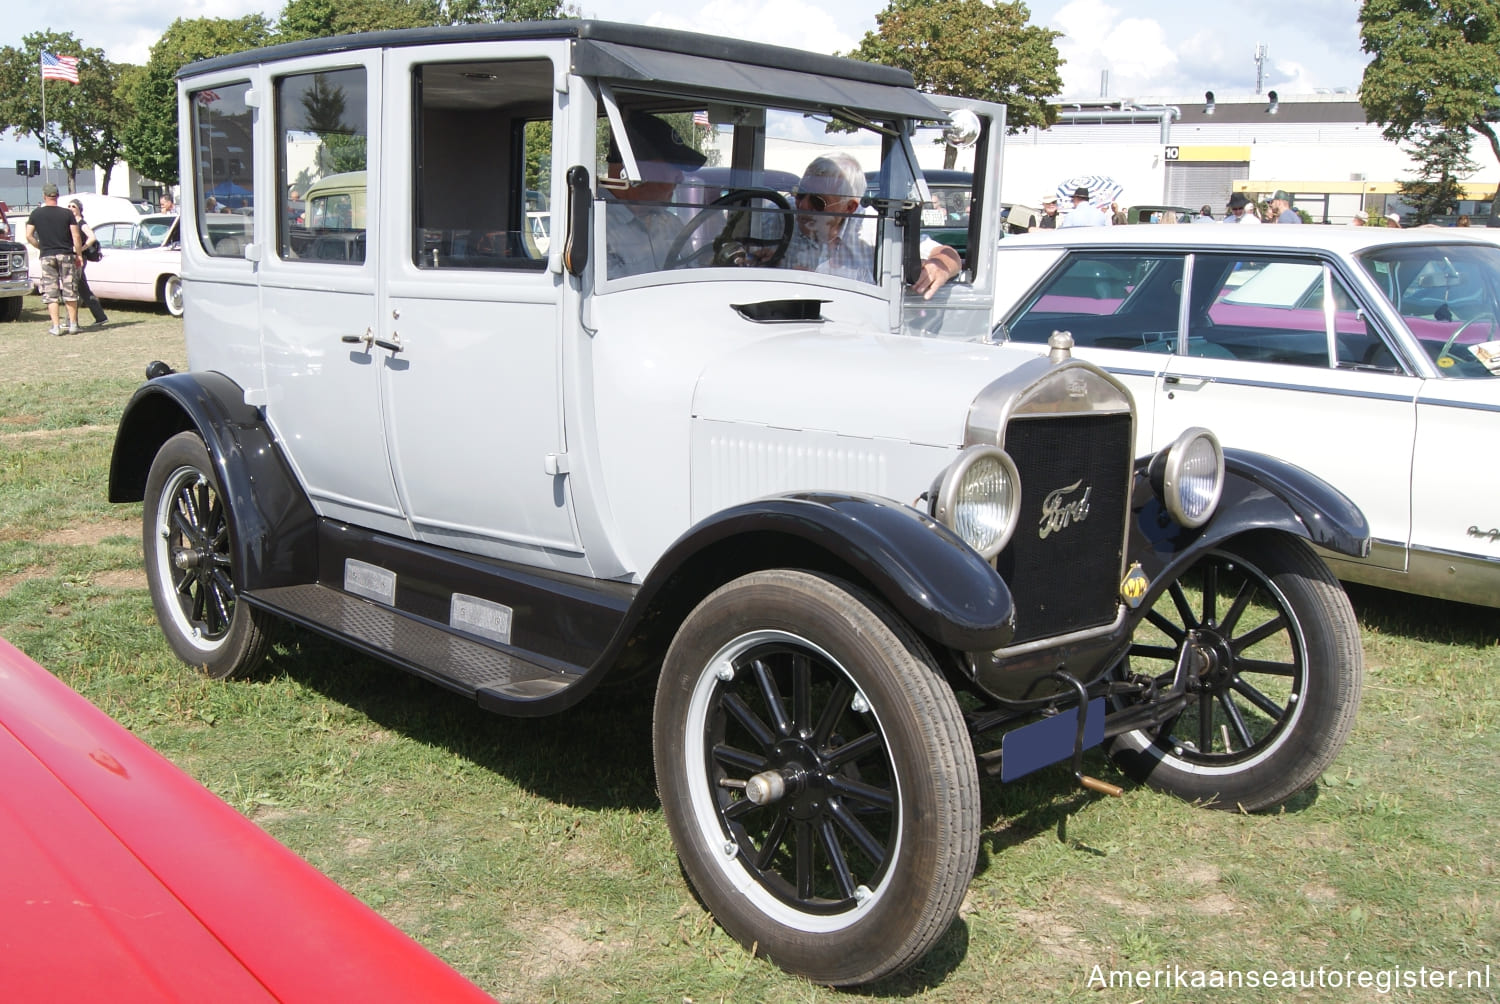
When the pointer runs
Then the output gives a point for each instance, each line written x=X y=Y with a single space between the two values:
x=1060 y=510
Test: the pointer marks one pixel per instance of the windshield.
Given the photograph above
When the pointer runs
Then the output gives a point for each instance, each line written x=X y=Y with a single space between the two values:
x=752 y=187
x=1449 y=297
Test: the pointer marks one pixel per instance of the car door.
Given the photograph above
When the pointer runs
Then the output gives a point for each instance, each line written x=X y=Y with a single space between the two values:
x=318 y=315
x=116 y=241
x=1280 y=358
x=470 y=349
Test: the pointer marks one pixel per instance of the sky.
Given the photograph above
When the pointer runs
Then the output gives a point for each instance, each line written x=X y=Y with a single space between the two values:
x=1160 y=48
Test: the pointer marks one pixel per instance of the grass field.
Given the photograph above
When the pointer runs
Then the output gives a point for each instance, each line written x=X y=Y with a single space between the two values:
x=533 y=857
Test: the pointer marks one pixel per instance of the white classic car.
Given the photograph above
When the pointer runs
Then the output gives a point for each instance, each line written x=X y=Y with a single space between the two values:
x=699 y=439
x=1370 y=357
x=142 y=260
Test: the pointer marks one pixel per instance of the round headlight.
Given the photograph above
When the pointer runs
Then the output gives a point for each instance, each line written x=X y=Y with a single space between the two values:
x=978 y=497
x=1192 y=477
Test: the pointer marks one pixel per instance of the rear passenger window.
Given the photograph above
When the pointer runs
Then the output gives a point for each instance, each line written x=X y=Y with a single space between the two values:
x=1115 y=301
x=1276 y=310
x=322 y=133
x=223 y=168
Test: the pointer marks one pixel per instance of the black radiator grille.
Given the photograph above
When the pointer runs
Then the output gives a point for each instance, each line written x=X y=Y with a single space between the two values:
x=1063 y=572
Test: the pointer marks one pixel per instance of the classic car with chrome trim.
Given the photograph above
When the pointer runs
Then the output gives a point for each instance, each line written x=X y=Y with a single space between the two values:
x=1368 y=356
x=710 y=441
x=126 y=880
x=140 y=259
x=15 y=279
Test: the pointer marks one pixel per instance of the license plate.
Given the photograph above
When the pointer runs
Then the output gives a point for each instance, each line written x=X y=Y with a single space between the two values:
x=1049 y=741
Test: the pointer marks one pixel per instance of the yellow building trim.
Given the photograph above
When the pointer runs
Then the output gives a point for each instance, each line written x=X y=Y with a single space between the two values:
x=1218 y=153
x=1296 y=186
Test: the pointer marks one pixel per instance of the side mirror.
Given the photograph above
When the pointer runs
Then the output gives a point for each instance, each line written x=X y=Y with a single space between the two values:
x=580 y=199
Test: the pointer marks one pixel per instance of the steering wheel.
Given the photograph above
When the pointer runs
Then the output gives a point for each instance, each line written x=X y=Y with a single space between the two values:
x=735 y=238
x=1448 y=345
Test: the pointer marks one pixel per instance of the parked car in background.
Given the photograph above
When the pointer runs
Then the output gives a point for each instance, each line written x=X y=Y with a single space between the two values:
x=141 y=260
x=1160 y=214
x=1368 y=356
x=125 y=880
x=15 y=279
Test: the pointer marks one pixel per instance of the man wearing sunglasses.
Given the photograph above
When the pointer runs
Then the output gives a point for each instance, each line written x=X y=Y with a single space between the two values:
x=831 y=236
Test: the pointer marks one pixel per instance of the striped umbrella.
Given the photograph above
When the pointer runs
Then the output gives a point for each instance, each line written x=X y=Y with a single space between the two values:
x=1102 y=189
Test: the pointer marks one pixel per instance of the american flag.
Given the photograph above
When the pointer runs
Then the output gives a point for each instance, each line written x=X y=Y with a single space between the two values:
x=207 y=97
x=701 y=119
x=59 y=67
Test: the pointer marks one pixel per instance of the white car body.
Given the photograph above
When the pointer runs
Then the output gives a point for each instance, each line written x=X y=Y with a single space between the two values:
x=141 y=260
x=1400 y=434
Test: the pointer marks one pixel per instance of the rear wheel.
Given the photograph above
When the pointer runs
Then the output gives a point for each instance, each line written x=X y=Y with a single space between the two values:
x=171 y=294
x=188 y=535
x=816 y=776
x=1275 y=669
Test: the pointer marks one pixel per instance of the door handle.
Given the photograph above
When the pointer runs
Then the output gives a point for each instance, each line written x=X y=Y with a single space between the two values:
x=367 y=338
x=394 y=345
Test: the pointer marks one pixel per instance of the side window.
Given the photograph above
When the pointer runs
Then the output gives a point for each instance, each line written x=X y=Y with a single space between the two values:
x=223 y=168
x=322 y=145
x=111 y=234
x=1113 y=301
x=482 y=149
x=1276 y=310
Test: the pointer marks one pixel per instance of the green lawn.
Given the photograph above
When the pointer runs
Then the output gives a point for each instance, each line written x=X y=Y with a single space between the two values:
x=532 y=856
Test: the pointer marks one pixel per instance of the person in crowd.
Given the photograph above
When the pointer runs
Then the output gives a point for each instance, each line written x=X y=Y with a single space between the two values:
x=1205 y=215
x=1361 y=219
x=52 y=230
x=1462 y=221
x=91 y=252
x=1117 y=215
x=1083 y=214
x=1049 y=213
x=1240 y=210
x=831 y=236
x=1281 y=208
x=1392 y=220
x=167 y=203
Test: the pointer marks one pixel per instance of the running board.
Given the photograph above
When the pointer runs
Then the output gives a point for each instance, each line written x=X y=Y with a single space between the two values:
x=499 y=680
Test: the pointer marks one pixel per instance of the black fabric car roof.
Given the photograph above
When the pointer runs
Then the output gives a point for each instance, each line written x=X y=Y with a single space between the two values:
x=628 y=53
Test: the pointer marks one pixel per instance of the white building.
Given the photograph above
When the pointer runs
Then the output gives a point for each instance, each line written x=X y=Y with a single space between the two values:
x=1194 y=152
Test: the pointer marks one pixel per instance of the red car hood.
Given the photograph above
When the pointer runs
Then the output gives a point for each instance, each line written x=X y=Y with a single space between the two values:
x=123 y=879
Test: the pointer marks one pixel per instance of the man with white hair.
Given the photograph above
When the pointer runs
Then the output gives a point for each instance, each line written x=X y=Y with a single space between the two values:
x=830 y=236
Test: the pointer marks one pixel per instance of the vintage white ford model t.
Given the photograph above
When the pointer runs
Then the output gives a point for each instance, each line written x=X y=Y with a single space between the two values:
x=704 y=435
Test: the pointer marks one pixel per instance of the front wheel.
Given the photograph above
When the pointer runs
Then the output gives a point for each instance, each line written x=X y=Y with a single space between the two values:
x=187 y=533
x=816 y=776
x=1274 y=668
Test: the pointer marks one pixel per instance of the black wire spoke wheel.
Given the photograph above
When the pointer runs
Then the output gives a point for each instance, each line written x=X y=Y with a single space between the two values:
x=1273 y=667
x=816 y=776
x=188 y=541
x=788 y=717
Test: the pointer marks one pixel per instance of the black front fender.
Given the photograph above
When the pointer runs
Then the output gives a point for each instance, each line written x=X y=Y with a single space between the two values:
x=919 y=567
x=274 y=528
x=1260 y=493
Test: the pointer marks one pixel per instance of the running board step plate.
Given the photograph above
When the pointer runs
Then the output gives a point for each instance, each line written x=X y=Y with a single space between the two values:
x=450 y=659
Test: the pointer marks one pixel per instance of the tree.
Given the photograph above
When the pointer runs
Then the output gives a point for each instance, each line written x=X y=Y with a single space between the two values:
x=83 y=121
x=1436 y=66
x=971 y=49
x=1444 y=158
x=151 y=139
x=324 y=18
x=488 y=11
